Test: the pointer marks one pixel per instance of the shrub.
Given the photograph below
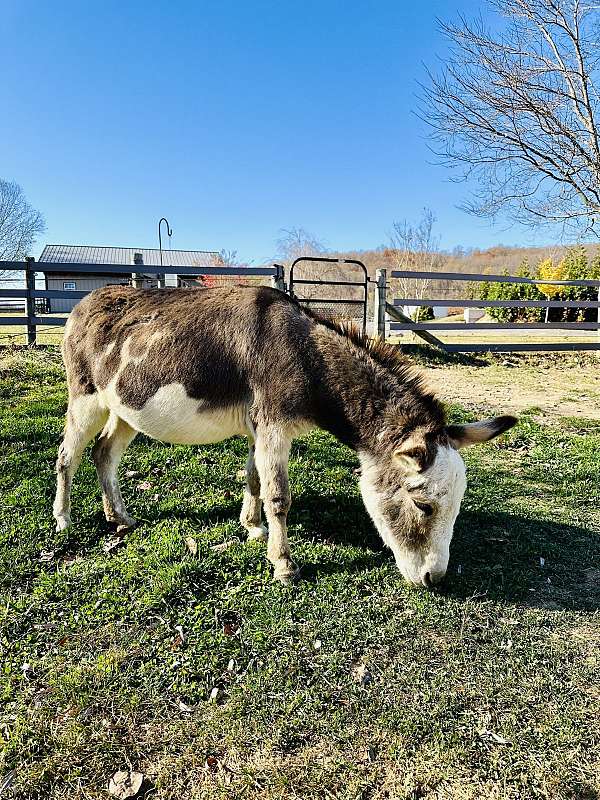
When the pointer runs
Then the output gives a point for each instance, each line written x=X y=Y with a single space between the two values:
x=513 y=291
x=423 y=314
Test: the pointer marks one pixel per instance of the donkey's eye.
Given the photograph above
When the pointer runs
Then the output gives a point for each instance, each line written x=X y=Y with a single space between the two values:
x=426 y=508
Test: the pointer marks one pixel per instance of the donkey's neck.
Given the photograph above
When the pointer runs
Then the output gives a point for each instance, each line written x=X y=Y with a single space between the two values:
x=361 y=390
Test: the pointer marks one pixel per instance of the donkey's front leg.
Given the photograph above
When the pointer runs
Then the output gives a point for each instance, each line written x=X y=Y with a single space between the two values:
x=272 y=450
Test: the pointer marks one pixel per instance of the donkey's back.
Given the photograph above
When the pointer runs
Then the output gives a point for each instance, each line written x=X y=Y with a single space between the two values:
x=217 y=344
x=188 y=367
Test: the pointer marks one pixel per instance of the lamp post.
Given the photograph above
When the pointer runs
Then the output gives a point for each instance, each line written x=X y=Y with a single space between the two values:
x=161 y=278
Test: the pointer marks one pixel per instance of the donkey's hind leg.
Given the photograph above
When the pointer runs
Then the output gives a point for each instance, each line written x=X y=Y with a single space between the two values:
x=107 y=452
x=251 y=507
x=85 y=418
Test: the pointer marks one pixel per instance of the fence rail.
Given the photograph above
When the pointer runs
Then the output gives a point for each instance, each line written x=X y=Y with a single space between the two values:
x=30 y=293
x=384 y=305
x=400 y=322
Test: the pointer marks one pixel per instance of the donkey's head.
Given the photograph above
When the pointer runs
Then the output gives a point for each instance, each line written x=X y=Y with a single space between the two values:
x=413 y=490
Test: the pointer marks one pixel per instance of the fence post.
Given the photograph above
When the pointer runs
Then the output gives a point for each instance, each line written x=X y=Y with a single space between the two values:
x=379 y=305
x=598 y=319
x=30 y=299
x=137 y=277
x=278 y=280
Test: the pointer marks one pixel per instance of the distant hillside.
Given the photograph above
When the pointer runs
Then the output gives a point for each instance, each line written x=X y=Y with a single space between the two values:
x=492 y=261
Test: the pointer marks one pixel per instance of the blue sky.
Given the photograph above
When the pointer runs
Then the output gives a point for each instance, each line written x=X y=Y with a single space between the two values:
x=233 y=119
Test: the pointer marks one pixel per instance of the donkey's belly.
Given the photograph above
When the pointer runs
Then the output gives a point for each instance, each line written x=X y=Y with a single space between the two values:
x=171 y=416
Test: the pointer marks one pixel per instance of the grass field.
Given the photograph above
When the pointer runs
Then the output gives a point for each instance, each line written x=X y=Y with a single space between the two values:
x=350 y=684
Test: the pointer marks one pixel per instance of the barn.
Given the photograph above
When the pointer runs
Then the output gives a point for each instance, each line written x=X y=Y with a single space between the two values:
x=137 y=257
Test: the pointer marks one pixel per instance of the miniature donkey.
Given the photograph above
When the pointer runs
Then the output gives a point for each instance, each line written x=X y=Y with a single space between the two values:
x=193 y=367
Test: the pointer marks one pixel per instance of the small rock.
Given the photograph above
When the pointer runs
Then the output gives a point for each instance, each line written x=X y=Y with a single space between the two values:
x=132 y=473
x=125 y=784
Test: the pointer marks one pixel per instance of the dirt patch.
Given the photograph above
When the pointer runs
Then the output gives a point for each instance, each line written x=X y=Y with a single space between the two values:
x=558 y=391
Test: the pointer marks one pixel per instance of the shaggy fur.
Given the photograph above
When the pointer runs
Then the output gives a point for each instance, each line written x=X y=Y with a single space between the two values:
x=198 y=366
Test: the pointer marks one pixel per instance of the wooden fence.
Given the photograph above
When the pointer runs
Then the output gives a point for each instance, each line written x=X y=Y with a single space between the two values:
x=387 y=312
x=401 y=322
x=29 y=293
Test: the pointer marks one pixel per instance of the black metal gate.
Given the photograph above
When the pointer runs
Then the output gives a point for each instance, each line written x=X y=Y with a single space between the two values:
x=357 y=290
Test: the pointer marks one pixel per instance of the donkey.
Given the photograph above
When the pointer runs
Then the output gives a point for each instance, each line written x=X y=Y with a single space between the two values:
x=193 y=367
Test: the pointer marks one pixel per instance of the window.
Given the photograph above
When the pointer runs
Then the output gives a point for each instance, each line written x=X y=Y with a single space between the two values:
x=71 y=285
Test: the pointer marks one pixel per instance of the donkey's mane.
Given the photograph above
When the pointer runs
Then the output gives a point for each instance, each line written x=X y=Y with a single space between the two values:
x=387 y=356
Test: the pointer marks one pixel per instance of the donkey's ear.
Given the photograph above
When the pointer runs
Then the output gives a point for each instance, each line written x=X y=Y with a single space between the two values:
x=476 y=432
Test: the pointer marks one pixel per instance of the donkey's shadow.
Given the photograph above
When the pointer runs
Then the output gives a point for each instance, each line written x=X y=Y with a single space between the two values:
x=504 y=557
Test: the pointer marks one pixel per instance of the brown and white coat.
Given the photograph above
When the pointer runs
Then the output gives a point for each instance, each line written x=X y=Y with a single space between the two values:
x=194 y=367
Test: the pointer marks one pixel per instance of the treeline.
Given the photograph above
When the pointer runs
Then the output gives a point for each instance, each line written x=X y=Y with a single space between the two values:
x=574 y=265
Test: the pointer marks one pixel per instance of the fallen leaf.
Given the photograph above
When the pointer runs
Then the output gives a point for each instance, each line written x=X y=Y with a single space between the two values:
x=241 y=475
x=144 y=486
x=495 y=737
x=26 y=670
x=216 y=694
x=125 y=784
x=192 y=545
x=361 y=674
x=184 y=707
x=230 y=628
x=179 y=630
x=112 y=544
x=370 y=754
x=317 y=644
x=133 y=473
x=220 y=548
x=47 y=555
x=212 y=763
x=231 y=665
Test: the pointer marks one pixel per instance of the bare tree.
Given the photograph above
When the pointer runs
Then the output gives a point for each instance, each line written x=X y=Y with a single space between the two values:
x=229 y=258
x=20 y=224
x=296 y=242
x=519 y=111
x=415 y=248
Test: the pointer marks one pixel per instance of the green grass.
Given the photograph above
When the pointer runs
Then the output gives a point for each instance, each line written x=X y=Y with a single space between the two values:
x=507 y=646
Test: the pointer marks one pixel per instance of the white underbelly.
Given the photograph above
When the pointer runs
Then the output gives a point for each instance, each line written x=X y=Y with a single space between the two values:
x=171 y=416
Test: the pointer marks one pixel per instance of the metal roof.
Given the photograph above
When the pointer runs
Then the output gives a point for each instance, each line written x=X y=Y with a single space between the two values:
x=89 y=254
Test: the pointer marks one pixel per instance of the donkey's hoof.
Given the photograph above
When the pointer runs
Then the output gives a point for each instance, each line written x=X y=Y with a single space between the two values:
x=123 y=522
x=287 y=574
x=258 y=533
x=63 y=522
